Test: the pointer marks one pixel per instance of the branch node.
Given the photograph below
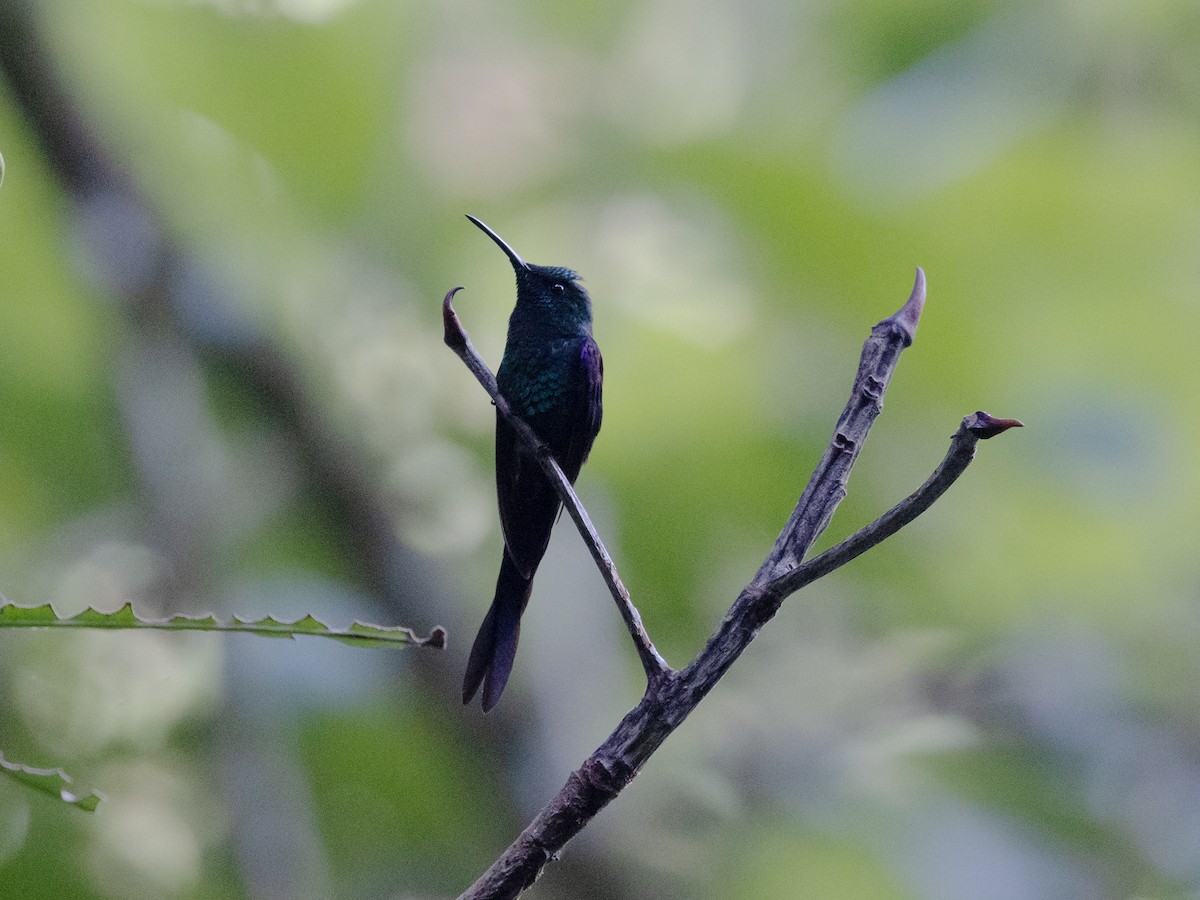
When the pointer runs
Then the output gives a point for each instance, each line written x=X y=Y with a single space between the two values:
x=599 y=777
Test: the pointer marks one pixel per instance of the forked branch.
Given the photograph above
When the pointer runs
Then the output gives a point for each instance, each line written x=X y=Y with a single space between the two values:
x=672 y=695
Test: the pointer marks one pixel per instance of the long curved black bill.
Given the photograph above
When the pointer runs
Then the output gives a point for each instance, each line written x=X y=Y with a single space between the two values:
x=512 y=255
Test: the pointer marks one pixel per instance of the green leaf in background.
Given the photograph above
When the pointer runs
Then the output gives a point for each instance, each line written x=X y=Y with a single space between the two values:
x=358 y=634
x=54 y=782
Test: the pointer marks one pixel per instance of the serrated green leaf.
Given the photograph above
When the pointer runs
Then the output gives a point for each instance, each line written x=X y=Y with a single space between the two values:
x=54 y=782
x=359 y=634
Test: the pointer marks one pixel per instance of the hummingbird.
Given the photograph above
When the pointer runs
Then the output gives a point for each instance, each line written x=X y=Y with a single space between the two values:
x=551 y=375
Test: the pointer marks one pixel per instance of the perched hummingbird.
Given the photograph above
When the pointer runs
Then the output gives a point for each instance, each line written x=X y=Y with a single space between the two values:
x=551 y=376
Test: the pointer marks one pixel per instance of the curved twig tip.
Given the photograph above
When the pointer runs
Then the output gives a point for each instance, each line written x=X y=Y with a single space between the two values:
x=910 y=312
x=907 y=316
x=454 y=335
x=986 y=426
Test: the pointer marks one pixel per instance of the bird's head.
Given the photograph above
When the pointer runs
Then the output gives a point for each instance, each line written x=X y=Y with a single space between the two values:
x=549 y=294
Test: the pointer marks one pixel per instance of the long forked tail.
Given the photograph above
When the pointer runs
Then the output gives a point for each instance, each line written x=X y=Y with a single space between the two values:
x=495 y=646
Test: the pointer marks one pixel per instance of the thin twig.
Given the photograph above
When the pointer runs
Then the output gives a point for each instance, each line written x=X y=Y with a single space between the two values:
x=457 y=340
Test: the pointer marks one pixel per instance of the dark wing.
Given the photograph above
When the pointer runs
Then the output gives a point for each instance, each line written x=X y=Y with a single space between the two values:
x=588 y=382
x=528 y=502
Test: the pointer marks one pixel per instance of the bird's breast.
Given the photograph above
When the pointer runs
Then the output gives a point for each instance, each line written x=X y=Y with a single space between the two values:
x=536 y=378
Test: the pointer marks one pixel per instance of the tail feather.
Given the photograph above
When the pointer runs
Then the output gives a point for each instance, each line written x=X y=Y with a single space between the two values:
x=495 y=646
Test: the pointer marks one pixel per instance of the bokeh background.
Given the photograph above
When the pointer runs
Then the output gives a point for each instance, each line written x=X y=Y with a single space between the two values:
x=225 y=230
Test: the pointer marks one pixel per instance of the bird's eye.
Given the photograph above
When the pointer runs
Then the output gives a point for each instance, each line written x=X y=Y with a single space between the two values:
x=557 y=287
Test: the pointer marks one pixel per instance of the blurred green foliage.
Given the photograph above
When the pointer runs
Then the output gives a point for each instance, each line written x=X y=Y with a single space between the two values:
x=999 y=703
